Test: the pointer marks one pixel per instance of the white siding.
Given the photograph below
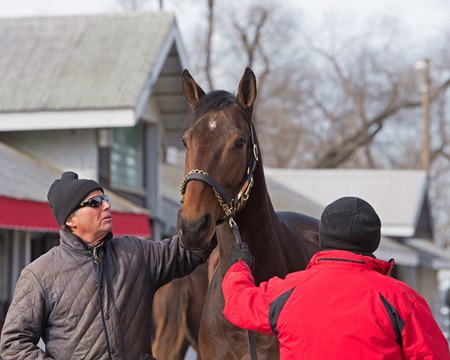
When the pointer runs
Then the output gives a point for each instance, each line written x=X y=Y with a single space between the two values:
x=64 y=149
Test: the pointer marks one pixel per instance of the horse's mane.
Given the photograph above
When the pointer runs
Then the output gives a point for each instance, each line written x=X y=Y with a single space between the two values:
x=214 y=100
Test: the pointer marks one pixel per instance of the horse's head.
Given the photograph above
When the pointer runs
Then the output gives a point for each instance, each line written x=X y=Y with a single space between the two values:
x=220 y=158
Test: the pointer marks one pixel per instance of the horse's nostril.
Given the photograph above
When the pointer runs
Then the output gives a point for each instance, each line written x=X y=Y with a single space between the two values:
x=205 y=222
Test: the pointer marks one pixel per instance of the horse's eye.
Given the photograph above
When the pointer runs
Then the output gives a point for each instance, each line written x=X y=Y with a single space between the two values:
x=239 y=143
x=184 y=143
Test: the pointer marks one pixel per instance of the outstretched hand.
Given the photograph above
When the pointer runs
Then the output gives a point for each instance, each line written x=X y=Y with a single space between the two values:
x=240 y=251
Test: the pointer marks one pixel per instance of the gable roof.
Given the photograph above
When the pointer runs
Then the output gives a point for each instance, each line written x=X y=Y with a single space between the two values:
x=103 y=67
x=78 y=62
x=398 y=196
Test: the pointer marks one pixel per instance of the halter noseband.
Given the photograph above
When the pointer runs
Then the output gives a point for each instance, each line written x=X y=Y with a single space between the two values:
x=229 y=205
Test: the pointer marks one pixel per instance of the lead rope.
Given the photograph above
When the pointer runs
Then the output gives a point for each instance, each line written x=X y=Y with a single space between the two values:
x=250 y=334
x=97 y=257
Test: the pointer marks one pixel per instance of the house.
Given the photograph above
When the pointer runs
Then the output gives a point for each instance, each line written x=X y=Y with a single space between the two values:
x=97 y=94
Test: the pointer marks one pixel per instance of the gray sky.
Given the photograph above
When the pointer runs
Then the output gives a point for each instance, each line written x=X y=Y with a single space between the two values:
x=421 y=21
x=428 y=17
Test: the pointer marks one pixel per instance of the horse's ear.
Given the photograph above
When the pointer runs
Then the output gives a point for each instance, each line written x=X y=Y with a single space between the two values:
x=191 y=90
x=247 y=90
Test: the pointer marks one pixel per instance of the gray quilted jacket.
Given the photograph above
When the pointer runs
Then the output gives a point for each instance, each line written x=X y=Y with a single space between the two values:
x=88 y=310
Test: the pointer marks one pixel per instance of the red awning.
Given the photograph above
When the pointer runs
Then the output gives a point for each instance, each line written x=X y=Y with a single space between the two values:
x=37 y=216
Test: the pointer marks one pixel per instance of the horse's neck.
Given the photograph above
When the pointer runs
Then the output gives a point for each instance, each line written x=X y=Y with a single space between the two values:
x=260 y=227
x=259 y=206
x=258 y=217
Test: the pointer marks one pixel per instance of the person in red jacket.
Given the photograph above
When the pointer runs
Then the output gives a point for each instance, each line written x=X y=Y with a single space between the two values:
x=344 y=305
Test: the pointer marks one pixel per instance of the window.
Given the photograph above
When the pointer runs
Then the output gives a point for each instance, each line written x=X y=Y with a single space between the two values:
x=127 y=158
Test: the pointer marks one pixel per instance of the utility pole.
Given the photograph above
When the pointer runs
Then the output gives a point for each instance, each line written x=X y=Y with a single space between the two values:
x=423 y=67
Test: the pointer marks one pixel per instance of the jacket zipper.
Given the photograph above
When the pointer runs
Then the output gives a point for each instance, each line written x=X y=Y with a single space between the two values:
x=343 y=260
x=99 y=269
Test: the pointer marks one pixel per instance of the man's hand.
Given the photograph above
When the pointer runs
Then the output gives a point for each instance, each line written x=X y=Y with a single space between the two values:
x=240 y=252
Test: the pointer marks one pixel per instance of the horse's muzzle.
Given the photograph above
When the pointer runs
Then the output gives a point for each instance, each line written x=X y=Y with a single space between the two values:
x=194 y=235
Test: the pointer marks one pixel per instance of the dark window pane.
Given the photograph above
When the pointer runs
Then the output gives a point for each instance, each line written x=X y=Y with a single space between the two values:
x=127 y=158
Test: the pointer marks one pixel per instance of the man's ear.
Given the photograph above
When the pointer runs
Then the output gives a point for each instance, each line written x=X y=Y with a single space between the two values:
x=71 y=221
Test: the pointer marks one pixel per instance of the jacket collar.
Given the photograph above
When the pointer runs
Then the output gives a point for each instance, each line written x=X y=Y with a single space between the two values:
x=73 y=243
x=343 y=258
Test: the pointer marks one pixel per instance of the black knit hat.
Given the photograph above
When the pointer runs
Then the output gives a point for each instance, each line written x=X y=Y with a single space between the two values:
x=66 y=194
x=350 y=223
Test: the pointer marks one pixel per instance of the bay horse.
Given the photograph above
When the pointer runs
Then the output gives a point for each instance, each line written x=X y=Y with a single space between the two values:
x=222 y=158
x=177 y=309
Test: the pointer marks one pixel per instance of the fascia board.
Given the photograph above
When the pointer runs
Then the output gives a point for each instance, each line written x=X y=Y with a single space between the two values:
x=58 y=120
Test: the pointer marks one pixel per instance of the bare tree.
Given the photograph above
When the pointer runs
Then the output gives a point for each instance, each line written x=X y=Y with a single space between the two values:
x=325 y=100
x=208 y=44
x=347 y=104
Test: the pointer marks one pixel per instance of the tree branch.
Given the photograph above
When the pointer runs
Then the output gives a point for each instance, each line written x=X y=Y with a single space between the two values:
x=208 y=45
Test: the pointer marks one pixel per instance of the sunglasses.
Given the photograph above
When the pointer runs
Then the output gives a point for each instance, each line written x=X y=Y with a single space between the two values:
x=94 y=202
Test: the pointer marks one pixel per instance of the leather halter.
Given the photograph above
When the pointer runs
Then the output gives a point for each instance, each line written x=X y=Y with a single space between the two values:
x=229 y=205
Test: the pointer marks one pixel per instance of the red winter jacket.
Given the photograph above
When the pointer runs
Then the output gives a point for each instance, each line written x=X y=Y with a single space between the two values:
x=343 y=306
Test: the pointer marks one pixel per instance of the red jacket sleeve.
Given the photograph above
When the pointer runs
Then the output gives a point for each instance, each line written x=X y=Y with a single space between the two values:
x=422 y=338
x=246 y=305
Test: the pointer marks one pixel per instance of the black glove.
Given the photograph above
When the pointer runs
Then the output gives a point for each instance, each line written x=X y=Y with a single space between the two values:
x=240 y=251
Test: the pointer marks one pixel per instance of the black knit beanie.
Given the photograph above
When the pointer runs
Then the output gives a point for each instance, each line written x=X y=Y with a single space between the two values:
x=67 y=193
x=350 y=223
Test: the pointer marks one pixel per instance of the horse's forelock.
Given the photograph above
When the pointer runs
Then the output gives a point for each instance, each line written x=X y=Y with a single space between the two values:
x=214 y=100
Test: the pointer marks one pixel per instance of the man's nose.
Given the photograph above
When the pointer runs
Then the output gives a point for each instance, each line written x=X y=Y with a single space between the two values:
x=106 y=205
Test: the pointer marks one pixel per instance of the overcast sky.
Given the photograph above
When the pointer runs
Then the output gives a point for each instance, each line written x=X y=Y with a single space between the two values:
x=426 y=16
x=422 y=21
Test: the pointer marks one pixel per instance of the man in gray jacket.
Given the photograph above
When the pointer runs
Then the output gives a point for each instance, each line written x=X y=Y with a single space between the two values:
x=91 y=296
